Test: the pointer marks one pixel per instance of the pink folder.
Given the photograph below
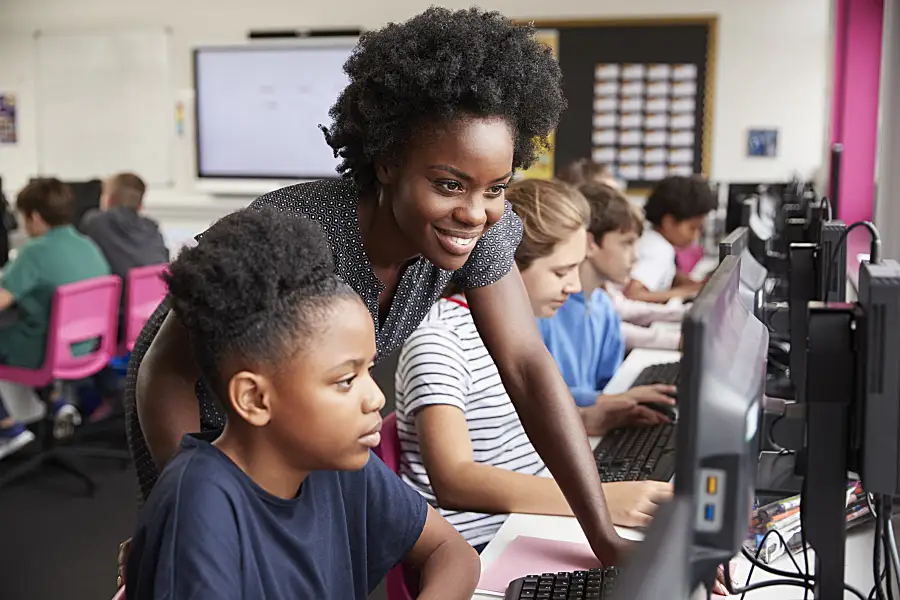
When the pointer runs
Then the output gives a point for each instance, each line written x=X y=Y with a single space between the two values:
x=528 y=555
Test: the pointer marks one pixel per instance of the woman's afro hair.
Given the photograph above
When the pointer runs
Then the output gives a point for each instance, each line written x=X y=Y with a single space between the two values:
x=256 y=285
x=434 y=68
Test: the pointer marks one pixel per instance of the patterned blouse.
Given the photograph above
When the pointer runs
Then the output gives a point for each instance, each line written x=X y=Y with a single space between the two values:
x=332 y=204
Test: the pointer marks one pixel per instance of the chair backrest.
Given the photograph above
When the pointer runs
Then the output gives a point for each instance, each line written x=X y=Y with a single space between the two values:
x=82 y=311
x=397 y=584
x=144 y=290
x=389 y=448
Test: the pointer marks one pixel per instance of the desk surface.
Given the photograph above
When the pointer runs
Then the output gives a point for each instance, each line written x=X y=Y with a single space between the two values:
x=859 y=541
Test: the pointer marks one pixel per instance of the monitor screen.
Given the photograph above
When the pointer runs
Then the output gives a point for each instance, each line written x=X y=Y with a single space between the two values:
x=722 y=380
x=259 y=108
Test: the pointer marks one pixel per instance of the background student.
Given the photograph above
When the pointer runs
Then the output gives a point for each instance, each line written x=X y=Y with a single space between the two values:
x=127 y=238
x=637 y=316
x=288 y=502
x=676 y=210
x=585 y=335
x=56 y=254
x=463 y=446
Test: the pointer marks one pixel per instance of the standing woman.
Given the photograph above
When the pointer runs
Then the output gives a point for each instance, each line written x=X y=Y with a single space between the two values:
x=440 y=111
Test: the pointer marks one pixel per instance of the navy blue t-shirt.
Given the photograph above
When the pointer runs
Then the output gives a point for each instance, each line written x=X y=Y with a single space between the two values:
x=208 y=531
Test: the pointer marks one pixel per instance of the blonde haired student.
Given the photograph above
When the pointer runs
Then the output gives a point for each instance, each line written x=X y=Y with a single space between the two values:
x=463 y=446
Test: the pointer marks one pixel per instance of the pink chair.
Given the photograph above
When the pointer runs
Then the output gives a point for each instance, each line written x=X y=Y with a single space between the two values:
x=144 y=290
x=82 y=311
x=389 y=453
x=688 y=258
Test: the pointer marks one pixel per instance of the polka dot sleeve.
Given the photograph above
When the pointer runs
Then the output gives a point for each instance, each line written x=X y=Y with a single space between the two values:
x=494 y=253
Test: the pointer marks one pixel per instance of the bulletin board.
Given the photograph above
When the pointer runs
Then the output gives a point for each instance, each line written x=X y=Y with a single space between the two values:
x=640 y=96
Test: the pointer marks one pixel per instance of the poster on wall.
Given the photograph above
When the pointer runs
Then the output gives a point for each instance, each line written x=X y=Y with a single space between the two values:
x=7 y=119
x=543 y=166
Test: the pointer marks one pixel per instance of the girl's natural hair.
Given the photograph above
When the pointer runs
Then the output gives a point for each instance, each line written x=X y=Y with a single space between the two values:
x=550 y=212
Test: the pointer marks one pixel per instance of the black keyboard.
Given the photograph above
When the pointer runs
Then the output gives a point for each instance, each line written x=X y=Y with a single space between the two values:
x=667 y=373
x=596 y=584
x=636 y=454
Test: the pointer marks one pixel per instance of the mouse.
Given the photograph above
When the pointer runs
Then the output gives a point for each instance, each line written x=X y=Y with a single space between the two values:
x=665 y=409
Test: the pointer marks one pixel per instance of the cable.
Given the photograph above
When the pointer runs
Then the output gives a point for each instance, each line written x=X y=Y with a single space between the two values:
x=874 y=250
x=886 y=510
x=770 y=437
x=876 y=555
x=827 y=202
x=803 y=537
x=892 y=540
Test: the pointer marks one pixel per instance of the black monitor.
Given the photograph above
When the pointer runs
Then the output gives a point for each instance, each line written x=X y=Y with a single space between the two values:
x=723 y=370
x=738 y=192
x=661 y=564
x=87 y=197
x=753 y=274
x=734 y=243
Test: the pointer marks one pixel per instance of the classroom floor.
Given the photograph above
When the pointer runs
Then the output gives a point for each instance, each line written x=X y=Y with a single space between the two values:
x=56 y=543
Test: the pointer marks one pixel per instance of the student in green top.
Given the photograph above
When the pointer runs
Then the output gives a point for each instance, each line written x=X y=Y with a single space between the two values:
x=55 y=255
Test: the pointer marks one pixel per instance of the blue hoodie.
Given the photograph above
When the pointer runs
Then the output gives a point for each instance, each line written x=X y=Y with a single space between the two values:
x=586 y=342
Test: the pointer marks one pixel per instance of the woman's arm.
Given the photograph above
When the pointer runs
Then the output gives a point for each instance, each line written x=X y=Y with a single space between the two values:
x=449 y=567
x=507 y=326
x=460 y=483
x=166 y=401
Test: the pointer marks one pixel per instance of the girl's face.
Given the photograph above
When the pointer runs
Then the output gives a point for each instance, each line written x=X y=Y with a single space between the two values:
x=325 y=406
x=449 y=188
x=550 y=279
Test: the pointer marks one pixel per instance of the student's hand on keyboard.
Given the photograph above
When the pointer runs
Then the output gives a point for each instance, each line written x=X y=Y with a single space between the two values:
x=632 y=503
x=657 y=393
x=622 y=410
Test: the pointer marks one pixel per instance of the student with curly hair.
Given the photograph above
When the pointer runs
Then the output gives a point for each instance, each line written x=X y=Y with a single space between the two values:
x=440 y=112
x=676 y=209
x=287 y=346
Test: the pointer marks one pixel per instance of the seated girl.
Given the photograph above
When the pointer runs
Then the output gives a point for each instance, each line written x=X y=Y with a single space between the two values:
x=463 y=446
x=287 y=501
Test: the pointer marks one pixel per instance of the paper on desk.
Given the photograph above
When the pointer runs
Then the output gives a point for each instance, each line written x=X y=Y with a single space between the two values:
x=529 y=555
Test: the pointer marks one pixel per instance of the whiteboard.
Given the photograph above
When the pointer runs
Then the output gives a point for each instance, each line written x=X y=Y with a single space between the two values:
x=105 y=104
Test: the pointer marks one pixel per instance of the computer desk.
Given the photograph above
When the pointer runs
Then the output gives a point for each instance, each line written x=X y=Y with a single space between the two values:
x=858 y=572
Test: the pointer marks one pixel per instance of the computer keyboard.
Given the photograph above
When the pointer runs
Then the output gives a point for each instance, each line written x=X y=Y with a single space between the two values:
x=596 y=584
x=636 y=454
x=667 y=373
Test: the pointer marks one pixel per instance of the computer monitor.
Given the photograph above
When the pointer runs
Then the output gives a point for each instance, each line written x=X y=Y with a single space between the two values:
x=753 y=274
x=738 y=192
x=661 y=565
x=734 y=243
x=723 y=370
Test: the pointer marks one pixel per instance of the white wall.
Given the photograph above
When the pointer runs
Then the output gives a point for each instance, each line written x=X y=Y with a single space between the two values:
x=771 y=70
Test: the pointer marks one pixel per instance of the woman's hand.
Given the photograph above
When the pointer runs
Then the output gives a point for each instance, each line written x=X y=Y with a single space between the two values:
x=632 y=503
x=122 y=560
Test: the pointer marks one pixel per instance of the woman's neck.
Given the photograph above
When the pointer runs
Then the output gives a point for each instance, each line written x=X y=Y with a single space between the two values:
x=385 y=243
x=260 y=461
x=591 y=279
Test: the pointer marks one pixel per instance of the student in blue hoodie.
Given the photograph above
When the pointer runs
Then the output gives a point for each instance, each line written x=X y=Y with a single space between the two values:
x=585 y=335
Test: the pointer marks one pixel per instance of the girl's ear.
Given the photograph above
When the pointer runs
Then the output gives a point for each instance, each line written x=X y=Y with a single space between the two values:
x=250 y=396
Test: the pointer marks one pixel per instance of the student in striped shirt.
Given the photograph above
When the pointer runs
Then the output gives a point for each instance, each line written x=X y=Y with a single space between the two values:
x=463 y=446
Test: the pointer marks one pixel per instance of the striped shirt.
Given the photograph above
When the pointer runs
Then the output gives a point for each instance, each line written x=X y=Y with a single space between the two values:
x=445 y=362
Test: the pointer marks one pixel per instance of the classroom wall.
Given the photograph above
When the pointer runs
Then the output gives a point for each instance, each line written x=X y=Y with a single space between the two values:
x=772 y=70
